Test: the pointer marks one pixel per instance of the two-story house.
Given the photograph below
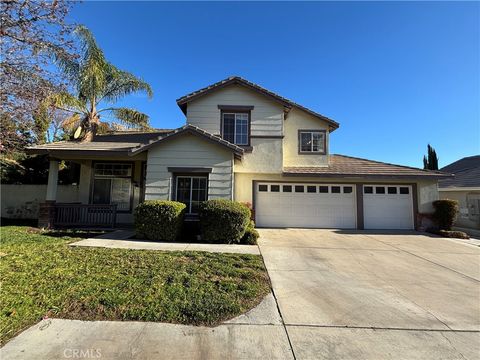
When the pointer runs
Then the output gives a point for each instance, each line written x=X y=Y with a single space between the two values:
x=245 y=143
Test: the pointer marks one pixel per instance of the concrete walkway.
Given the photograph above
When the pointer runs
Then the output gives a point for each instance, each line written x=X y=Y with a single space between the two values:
x=121 y=239
x=368 y=295
x=259 y=334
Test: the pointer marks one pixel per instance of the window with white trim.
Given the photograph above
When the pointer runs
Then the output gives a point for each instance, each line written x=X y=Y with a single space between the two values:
x=235 y=127
x=191 y=190
x=312 y=142
x=112 y=184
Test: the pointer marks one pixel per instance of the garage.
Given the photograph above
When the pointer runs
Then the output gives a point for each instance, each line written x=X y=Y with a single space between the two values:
x=305 y=205
x=388 y=207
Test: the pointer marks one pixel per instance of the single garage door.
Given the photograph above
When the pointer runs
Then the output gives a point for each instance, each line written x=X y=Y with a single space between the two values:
x=305 y=205
x=387 y=207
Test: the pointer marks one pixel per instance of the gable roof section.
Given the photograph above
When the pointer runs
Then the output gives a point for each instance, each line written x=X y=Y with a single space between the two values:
x=288 y=104
x=348 y=166
x=467 y=173
x=194 y=130
x=127 y=143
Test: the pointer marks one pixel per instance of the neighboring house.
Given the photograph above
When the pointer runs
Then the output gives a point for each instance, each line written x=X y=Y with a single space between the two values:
x=245 y=143
x=465 y=188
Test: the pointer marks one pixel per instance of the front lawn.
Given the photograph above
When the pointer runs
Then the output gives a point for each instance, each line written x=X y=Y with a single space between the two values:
x=41 y=275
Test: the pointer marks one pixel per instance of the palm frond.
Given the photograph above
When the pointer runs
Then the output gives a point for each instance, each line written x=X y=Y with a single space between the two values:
x=121 y=83
x=67 y=102
x=131 y=117
x=93 y=66
x=71 y=123
x=69 y=66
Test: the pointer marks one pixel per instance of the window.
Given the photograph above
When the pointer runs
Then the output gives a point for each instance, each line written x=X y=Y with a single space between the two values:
x=312 y=142
x=262 y=188
x=404 y=190
x=275 y=188
x=235 y=128
x=112 y=184
x=347 y=189
x=287 y=188
x=368 y=189
x=324 y=189
x=191 y=190
x=335 y=189
x=392 y=190
x=379 y=190
x=299 y=188
x=311 y=189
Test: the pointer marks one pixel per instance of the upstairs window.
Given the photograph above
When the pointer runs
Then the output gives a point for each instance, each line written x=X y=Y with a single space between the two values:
x=311 y=142
x=235 y=127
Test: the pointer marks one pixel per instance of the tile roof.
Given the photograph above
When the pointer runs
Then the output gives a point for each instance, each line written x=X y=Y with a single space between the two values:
x=182 y=102
x=341 y=165
x=467 y=173
x=128 y=143
x=120 y=141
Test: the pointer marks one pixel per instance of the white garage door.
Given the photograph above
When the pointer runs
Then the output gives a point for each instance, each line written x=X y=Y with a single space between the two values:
x=387 y=207
x=305 y=205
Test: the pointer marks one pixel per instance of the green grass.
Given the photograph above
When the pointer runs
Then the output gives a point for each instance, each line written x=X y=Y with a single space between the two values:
x=43 y=276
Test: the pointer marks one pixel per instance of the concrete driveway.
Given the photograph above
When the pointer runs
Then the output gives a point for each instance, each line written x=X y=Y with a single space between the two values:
x=366 y=295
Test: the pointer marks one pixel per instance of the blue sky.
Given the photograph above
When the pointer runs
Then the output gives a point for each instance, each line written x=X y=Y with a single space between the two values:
x=396 y=76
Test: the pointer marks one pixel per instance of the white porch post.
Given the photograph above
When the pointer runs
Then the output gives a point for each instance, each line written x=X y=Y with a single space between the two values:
x=52 y=181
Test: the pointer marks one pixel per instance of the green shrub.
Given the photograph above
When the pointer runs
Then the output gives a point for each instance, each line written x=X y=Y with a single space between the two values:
x=223 y=221
x=251 y=235
x=445 y=213
x=159 y=219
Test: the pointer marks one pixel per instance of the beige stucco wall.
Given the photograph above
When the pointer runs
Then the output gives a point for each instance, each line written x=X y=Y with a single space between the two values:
x=188 y=151
x=22 y=201
x=300 y=120
x=463 y=219
x=267 y=115
x=266 y=157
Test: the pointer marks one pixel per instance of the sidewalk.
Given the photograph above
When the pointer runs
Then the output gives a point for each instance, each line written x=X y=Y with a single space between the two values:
x=121 y=239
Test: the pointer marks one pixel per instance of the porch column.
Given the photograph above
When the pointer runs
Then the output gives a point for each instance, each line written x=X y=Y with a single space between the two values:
x=52 y=181
x=46 y=211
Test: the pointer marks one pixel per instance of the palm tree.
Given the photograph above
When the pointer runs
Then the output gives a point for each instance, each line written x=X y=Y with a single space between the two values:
x=95 y=82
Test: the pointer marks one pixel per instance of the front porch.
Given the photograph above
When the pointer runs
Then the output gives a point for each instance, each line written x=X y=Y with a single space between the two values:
x=108 y=192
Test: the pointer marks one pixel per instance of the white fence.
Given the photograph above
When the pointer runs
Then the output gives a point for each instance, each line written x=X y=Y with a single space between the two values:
x=21 y=201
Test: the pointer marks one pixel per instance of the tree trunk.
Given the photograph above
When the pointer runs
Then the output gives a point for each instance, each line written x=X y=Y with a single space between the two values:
x=91 y=129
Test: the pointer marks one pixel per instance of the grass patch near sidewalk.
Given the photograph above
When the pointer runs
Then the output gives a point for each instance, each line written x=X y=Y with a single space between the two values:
x=42 y=276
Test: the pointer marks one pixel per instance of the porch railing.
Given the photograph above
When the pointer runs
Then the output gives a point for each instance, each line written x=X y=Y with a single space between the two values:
x=85 y=215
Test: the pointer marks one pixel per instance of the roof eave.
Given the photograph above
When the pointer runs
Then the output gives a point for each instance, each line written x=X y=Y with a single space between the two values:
x=369 y=176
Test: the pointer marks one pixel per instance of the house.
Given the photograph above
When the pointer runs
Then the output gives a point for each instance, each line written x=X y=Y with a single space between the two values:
x=246 y=143
x=465 y=188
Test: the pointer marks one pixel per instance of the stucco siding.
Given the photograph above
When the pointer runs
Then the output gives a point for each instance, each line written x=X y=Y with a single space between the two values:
x=465 y=217
x=188 y=151
x=267 y=115
x=266 y=157
x=300 y=120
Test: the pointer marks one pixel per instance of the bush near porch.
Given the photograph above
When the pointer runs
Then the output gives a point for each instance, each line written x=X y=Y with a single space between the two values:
x=220 y=221
x=159 y=219
x=223 y=221
x=43 y=276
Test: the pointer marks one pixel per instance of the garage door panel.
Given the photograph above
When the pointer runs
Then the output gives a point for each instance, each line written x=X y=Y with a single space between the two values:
x=382 y=210
x=305 y=209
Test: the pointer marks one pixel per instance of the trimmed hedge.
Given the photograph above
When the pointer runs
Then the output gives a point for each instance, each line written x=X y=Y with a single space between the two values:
x=445 y=213
x=159 y=219
x=223 y=221
x=251 y=235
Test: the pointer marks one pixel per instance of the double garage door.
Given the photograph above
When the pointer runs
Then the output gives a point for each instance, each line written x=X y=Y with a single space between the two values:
x=332 y=206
